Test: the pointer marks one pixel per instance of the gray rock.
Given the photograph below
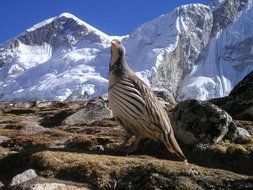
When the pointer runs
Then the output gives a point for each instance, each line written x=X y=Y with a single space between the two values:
x=177 y=64
x=226 y=13
x=55 y=186
x=23 y=177
x=3 y=138
x=42 y=103
x=40 y=183
x=1 y=184
x=243 y=133
x=200 y=122
x=165 y=96
x=94 y=110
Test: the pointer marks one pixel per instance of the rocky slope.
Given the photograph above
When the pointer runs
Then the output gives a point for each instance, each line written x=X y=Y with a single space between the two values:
x=76 y=145
x=239 y=102
x=196 y=51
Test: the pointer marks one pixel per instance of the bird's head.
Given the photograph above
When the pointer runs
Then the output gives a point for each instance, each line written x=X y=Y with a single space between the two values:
x=117 y=50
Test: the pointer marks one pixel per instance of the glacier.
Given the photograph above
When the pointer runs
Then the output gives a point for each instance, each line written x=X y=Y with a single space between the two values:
x=224 y=62
x=196 y=51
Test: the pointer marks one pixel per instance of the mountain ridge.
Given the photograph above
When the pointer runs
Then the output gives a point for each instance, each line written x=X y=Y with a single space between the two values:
x=64 y=58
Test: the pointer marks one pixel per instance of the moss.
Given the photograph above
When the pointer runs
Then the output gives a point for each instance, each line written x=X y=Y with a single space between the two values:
x=57 y=133
x=20 y=111
x=226 y=147
x=87 y=142
x=9 y=132
x=105 y=172
x=9 y=119
x=236 y=149
x=3 y=150
x=14 y=126
x=218 y=149
x=227 y=155
x=82 y=142
x=27 y=141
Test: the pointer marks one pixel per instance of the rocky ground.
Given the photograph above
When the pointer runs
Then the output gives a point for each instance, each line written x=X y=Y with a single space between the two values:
x=76 y=145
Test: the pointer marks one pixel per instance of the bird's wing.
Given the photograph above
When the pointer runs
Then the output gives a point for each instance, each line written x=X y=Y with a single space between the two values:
x=153 y=109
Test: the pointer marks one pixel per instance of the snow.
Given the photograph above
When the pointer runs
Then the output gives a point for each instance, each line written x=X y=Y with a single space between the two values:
x=80 y=69
x=57 y=79
x=150 y=40
x=220 y=71
x=41 y=24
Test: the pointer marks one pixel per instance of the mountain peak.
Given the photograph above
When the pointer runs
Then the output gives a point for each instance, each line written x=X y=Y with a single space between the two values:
x=69 y=16
x=50 y=20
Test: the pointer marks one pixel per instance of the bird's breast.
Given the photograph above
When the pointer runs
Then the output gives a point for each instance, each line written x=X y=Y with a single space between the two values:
x=126 y=101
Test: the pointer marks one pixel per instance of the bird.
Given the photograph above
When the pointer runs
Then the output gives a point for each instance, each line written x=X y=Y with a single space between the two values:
x=136 y=107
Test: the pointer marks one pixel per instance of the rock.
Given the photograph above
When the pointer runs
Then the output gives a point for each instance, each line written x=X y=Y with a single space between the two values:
x=243 y=133
x=54 y=186
x=200 y=122
x=94 y=110
x=40 y=183
x=1 y=185
x=247 y=125
x=3 y=138
x=167 y=99
x=23 y=177
x=165 y=95
x=239 y=103
x=225 y=14
x=42 y=103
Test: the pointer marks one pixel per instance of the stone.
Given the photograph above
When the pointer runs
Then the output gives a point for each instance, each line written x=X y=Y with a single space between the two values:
x=40 y=183
x=55 y=186
x=1 y=184
x=196 y=121
x=243 y=133
x=3 y=138
x=166 y=99
x=94 y=110
x=23 y=177
x=165 y=96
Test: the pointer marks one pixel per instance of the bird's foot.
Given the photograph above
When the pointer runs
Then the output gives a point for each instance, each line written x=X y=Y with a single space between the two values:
x=135 y=144
x=126 y=143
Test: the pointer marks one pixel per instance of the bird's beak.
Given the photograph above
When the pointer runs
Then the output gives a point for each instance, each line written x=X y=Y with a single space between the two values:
x=114 y=44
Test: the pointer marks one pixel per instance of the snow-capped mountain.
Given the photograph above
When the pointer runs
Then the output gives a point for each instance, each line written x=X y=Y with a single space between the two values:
x=59 y=58
x=228 y=57
x=196 y=51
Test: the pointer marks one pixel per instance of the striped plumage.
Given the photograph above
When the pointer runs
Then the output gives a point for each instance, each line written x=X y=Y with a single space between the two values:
x=135 y=105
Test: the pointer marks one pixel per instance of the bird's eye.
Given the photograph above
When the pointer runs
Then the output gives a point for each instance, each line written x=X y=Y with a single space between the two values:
x=119 y=42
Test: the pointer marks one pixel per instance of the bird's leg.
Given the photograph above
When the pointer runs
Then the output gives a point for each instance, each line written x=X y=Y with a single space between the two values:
x=134 y=147
x=128 y=138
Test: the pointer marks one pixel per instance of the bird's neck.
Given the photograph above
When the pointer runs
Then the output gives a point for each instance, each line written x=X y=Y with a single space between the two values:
x=118 y=67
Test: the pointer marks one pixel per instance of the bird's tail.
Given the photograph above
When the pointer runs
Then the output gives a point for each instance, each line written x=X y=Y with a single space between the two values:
x=172 y=145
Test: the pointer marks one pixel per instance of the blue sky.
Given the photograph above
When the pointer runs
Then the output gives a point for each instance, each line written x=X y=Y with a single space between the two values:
x=113 y=17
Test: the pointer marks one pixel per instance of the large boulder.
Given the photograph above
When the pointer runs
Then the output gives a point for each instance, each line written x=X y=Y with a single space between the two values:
x=96 y=109
x=201 y=122
x=23 y=177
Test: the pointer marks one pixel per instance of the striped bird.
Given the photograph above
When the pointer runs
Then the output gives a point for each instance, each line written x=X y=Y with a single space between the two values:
x=135 y=106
